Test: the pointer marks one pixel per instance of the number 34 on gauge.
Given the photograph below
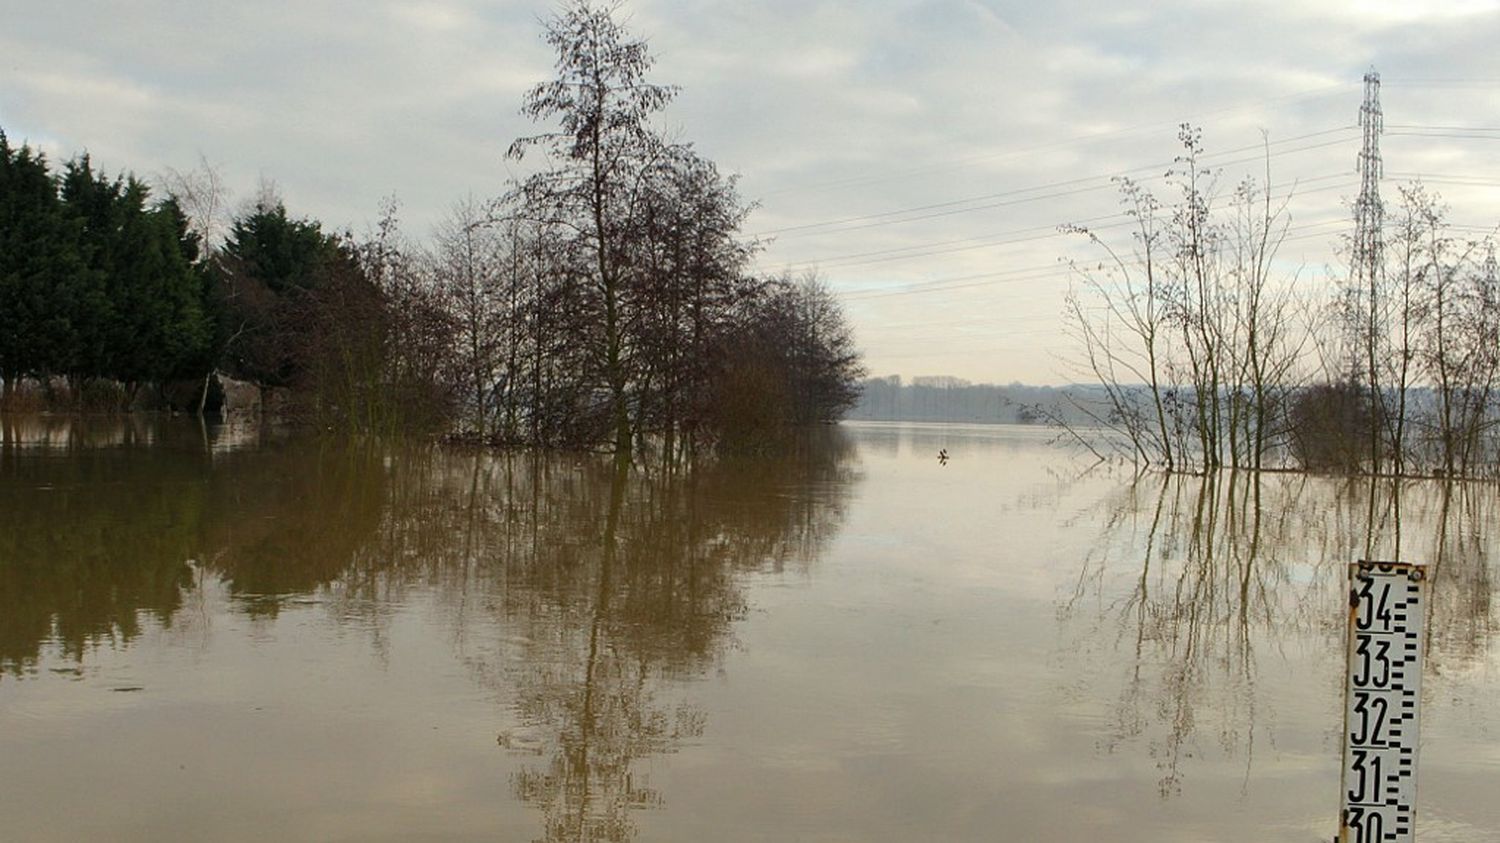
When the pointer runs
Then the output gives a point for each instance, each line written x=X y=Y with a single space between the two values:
x=1382 y=693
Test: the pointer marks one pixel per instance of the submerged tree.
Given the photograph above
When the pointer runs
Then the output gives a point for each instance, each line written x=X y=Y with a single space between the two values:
x=1206 y=357
x=691 y=287
x=789 y=360
x=603 y=104
x=1193 y=340
x=642 y=315
x=467 y=270
x=606 y=299
x=272 y=263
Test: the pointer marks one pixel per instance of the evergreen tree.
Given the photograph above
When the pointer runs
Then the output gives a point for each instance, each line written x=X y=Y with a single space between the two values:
x=40 y=270
x=283 y=253
x=272 y=264
x=206 y=292
x=95 y=205
x=142 y=318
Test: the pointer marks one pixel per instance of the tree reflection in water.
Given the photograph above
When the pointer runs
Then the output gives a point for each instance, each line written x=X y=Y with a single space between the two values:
x=579 y=592
x=1204 y=583
x=625 y=583
x=87 y=551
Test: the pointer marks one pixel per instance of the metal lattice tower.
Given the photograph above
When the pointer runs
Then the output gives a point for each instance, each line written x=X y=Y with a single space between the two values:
x=1369 y=215
x=1369 y=211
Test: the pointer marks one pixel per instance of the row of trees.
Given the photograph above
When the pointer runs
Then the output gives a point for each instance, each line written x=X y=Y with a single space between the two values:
x=1422 y=337
x=96 y=281
x=643 y=259
x=687 y=343
x=607 y=297
x=105 y=290
x=1209 y=353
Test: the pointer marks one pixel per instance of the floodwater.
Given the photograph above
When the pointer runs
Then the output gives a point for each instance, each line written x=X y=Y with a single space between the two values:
x=223 y=635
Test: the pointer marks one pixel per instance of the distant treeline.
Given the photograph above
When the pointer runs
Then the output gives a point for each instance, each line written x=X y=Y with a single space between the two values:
x=941 y=398
x=606 y=297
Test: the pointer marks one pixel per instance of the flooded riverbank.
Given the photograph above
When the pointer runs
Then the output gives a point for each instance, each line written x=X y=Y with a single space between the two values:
x=208 y=634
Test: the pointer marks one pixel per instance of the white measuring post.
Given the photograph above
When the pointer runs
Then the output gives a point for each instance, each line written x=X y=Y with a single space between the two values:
x=1382 y=698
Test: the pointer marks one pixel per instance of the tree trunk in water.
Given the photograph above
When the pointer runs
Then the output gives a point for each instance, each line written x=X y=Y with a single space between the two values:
x=203 y=396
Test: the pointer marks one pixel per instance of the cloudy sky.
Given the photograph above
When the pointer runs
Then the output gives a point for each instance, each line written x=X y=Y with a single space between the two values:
x=920 y=154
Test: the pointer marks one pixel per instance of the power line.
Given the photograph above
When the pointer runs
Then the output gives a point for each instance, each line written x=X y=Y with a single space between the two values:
x=1015 y=329
x=1424 y=127
x=1440 y=178
x=969 y=351
x=859 y=295
x=1457 y=82
x=1023 y=200
x=1031 y=318
x=947 y=208
x=1002 y=276
x=1042 y=233
x=1069 y=141
x=984 y=318
x=1023 y=235
x=1010 y=276
x=1107 y=179
x=986 y=279
x=1442 y=135
x=837 y=260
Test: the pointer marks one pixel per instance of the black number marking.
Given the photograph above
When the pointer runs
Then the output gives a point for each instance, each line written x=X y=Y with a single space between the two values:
x=1367 y=676
x=1367 y=766
x=1376 y=608
x=1368 y=825
x=1372 y=711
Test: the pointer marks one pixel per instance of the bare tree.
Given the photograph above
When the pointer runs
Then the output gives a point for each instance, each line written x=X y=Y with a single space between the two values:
x=1130 y=295
x=1191 y=338
x=603 y=103
x=467 y=267
x=204 y=198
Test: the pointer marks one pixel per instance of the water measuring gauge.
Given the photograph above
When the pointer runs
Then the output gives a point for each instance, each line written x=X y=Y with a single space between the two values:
x=1382 y=698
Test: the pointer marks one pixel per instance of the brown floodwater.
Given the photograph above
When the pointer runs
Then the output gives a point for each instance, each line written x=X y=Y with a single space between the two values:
x=223 y=634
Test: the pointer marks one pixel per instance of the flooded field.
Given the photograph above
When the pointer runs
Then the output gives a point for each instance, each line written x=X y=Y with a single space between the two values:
x=214 y=634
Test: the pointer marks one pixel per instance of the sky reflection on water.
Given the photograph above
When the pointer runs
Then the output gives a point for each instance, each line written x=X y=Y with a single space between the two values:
x=848 y=642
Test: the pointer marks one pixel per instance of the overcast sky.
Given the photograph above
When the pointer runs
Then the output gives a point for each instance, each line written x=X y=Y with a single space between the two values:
x=990 y=123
